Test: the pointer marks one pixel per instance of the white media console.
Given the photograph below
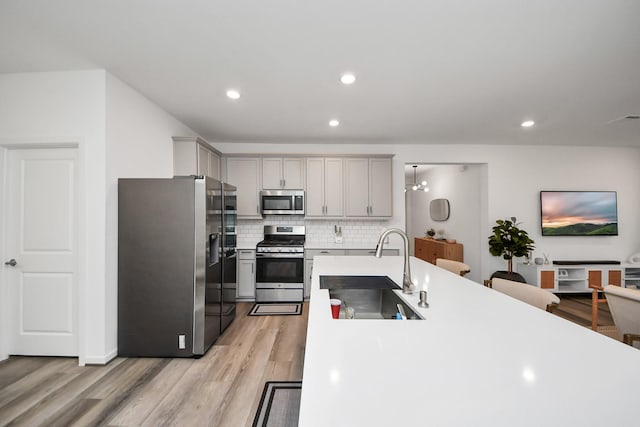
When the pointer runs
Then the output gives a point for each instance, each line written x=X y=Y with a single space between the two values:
x=577 y=277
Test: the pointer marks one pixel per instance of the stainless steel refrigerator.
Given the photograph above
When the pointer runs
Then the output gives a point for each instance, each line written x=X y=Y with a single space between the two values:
x=176 y=265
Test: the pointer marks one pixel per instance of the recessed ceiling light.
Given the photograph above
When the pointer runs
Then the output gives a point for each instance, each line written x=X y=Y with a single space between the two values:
x=527 y=123
x=333 y=123
x=233 y=94
x=348 y=78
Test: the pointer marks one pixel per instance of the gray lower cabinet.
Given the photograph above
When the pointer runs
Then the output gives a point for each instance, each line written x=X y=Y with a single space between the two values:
x=310 y=253
x=246 y=274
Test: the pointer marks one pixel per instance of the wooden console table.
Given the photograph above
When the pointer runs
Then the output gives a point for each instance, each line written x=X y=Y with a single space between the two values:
x=429 y=249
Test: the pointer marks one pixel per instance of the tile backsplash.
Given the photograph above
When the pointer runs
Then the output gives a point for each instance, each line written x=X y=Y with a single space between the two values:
x=354 y=232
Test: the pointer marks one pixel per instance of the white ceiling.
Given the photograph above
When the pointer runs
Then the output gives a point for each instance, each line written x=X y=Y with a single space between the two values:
x=427 y=71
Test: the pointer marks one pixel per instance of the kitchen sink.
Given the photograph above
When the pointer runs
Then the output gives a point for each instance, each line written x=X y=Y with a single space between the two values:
x=373 y=303
x=357 y=282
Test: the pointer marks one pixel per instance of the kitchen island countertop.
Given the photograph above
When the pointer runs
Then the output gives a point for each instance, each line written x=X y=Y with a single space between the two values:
x=345 y=245
x=480 y=358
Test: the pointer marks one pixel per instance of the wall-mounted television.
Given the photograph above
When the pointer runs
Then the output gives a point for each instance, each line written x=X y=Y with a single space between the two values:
x=579 y=213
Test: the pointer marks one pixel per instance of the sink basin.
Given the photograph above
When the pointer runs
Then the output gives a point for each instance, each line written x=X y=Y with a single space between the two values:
x=373 y=303
x=357 y=282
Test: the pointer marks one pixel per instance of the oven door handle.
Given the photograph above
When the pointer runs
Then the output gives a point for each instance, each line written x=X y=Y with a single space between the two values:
x=280 y=255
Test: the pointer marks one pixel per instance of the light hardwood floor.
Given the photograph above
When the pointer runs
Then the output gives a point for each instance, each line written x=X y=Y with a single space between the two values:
x=223 y=388
x=577 y=309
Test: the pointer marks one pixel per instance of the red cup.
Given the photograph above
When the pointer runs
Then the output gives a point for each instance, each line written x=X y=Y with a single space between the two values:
x=335 y=307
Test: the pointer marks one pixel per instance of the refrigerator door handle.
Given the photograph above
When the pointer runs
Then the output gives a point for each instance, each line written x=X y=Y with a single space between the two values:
x=214 y=248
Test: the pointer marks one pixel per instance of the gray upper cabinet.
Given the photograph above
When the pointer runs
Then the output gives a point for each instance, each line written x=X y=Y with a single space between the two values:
x=194 y=156
x=357 y=187
x=324 y=190
x=244 y=173
x=282 y=173
x=380 y=188
x=368 y=187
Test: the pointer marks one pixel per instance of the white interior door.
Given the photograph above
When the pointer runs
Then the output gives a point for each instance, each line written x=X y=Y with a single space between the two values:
x=41 y=251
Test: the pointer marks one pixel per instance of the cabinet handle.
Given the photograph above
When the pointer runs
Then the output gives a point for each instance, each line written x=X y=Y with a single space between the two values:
x=257 y=208
x=324 y=252
x=251 y=268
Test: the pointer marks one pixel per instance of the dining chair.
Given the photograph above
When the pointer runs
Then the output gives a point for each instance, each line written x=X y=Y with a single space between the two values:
x=530 y=294
x=457 y=267
x=624 y=304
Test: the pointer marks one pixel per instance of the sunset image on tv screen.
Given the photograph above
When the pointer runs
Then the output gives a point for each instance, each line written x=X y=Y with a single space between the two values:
x=579 y=213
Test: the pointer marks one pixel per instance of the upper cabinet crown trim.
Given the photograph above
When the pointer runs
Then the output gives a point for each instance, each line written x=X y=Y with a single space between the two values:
x=197 y=140
x=305 y=155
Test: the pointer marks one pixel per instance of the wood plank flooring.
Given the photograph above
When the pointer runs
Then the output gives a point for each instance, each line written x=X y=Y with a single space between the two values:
x=577 y=309
x=223 y=388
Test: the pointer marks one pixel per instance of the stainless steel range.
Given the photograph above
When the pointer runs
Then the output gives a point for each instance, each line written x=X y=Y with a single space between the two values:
x=280 y=264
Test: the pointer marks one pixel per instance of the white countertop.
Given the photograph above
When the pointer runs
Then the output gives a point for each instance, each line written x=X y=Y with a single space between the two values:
x=480 y=358
x=250 y=244
x=346 y=245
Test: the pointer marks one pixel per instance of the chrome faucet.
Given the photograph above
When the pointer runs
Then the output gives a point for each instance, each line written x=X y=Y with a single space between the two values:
x=407 y=284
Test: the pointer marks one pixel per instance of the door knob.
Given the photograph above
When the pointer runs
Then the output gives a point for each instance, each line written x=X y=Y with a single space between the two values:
x=12 y=262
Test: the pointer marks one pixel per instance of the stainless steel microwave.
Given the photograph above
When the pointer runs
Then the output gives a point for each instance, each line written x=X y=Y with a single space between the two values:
x=282 y=202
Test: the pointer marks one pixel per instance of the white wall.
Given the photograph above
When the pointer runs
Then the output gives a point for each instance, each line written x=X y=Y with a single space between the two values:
x=514 y=176
x=4 y=292
x=519 y=175
x=461 y=185
x=138 y=144
x=67 y=108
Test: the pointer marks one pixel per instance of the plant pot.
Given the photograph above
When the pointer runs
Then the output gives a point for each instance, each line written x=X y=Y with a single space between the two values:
x=509 y=276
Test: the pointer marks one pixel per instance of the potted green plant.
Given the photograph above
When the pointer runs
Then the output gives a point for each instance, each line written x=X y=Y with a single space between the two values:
x=509 y=241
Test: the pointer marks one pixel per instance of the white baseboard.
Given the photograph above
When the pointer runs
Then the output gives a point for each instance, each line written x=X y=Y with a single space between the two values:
x=100 y=360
